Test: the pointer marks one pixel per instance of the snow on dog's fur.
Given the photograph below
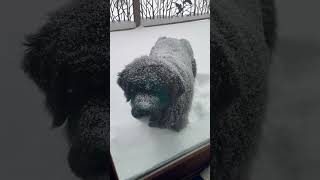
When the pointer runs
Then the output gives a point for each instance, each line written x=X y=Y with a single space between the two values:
x=161 y=85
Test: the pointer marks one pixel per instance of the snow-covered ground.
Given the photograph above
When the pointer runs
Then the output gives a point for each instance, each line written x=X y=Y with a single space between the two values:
x=135 y=147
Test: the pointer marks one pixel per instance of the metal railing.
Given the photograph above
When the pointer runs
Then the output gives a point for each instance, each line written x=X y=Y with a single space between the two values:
x=126 y=14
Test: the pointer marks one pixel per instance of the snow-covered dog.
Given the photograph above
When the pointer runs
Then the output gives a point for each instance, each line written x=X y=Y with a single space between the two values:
x=160 y=86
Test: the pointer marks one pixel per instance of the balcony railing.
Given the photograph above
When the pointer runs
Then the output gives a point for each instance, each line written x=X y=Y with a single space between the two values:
x=126 y=14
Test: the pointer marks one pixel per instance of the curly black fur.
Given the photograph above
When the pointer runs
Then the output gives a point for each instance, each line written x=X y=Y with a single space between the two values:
x=161 y=85
x=242 y=39
x=68 y=59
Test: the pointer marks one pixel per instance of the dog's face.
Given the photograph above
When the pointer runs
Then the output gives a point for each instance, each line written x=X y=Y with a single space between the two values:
x=151 y=88
x=69 y=62
x=146 y=103
x=78 y=96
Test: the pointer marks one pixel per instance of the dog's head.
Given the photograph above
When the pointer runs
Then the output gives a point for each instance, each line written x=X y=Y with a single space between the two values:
x=150 y=85
x=68 y=60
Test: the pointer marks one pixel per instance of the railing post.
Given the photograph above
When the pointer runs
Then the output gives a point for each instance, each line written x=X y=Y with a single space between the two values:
x=136 y=12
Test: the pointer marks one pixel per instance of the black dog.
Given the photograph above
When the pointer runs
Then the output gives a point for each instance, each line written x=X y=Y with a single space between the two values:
x=69 y=61
x=161 y=85
x=243 y=35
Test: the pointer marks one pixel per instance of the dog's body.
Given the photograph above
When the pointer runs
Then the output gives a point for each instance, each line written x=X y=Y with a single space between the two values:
x=161 y=85
x=69 y=61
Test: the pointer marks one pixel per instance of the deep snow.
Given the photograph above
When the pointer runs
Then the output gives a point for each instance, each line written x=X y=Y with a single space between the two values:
x=135 y=147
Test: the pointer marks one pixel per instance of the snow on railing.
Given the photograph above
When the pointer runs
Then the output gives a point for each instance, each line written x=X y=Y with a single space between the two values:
x=121 y=14
x=126 y=14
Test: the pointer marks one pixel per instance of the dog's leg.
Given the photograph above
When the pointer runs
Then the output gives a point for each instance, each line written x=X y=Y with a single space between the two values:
x=181 y=119
x=176 y=117
x=155 y=119
x=163 y=118
x=181 y=110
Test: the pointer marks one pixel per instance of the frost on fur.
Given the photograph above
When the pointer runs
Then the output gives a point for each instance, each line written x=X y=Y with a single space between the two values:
x=161 y=84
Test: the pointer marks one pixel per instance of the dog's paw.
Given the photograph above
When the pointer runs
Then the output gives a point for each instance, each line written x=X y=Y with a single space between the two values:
x=180 y=124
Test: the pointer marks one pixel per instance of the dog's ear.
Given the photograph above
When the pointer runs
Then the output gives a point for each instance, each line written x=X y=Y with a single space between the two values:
x=122 y=82
x=224 y=79
x=178 y=86
x=127 y=73
x=56 y=98
x=40 y=65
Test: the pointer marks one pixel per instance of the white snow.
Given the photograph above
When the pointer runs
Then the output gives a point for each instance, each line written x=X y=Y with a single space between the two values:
x=152 y=22
x=122 y=25
x=135 y=147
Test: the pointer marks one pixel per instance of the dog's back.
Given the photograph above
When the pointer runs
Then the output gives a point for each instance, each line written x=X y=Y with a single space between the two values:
x=175 y=51
x=193 y=61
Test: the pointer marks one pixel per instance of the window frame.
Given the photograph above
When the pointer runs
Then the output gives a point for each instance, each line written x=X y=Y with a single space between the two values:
x=186 y=166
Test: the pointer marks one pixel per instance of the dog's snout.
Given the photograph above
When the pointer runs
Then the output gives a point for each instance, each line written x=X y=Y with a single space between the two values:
x=143 y=105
